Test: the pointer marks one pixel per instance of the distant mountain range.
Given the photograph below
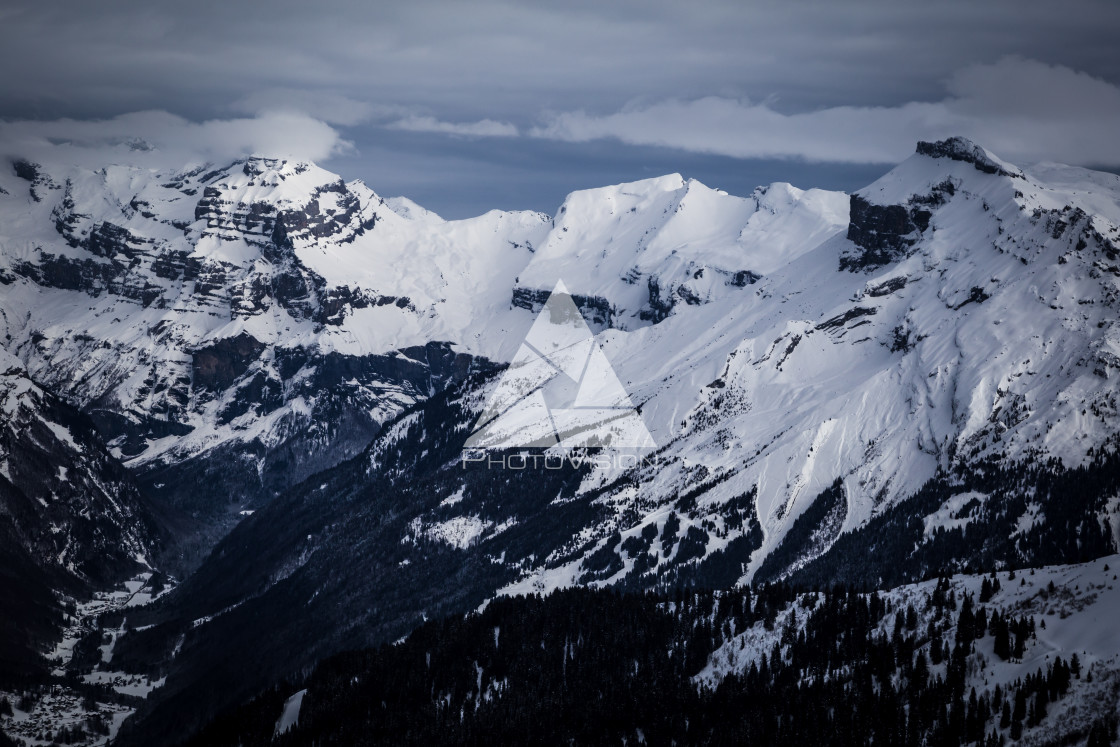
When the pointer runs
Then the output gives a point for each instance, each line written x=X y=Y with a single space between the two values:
x=260 y=379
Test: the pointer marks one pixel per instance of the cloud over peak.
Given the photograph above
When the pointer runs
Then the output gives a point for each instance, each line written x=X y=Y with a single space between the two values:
x=481 y=128
x=1024 y=109
x=158 y=139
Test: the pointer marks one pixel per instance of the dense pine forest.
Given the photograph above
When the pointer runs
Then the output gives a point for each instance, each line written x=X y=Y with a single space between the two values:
x=585 y=666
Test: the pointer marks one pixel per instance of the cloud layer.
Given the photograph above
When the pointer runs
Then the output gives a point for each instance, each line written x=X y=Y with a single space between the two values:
x=515 y=90
x=1022 y=109
x=158 y=139
x=481 y=128
x=507 y=60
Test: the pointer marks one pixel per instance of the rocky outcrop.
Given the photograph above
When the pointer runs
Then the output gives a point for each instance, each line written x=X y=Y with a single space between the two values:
x=33 y=172
x=219 y=365
x=743 y=278
x=662 y=299
x=26 y=170
x=962 y=149
x=55 y=271
x=841 y=320
x=597 y=311
x=884 y=233
x=109 y=241
x=888 y=287
x=337 y=303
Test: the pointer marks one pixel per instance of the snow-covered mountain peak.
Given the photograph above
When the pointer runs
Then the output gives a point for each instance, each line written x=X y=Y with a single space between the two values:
x=933 y=165
x=953 y=310
x=966 y=314
x=406 y=208
x=956 y=183
x=279 y=180
x=637 y=251
x=964 y=150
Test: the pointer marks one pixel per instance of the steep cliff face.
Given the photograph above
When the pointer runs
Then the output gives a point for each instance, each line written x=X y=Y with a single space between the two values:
x=884 y=233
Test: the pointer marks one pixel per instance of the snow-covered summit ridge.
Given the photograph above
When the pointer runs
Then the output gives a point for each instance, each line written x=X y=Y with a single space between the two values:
x=965 y=315
x=212 y=308
x=963 y=149
x=646 y=248
x=956 y=306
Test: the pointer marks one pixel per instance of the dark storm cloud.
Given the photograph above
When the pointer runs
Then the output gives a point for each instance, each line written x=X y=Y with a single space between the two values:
x=510 y=61
x=853 y=82
x=1022 y=108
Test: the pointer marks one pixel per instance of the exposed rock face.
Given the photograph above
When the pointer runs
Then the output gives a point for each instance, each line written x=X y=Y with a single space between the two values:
x=884 y=232
x=660 y=306
x=961 y=149
x=744 y=278
x=110 y=241
x=841 y=320
x=132 y=265
x=887 y=287
x=596 y=311
x=25 y=169
x=339 y=302
x=33 y=172
x=54 y=271
x=218 y=366
x=664 y=298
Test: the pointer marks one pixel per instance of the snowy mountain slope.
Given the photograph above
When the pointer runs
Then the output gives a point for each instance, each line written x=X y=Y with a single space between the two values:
x=266 y=318
x=213 y=321
x=1070 y=605
x=405 y=533
x=887 y=356
x=987 y=335
x=806 y=362
x=675 y=242
x=1026 y=658
x=71 y=518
